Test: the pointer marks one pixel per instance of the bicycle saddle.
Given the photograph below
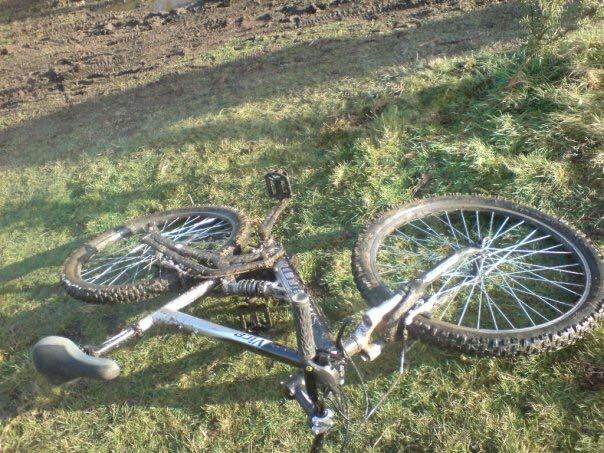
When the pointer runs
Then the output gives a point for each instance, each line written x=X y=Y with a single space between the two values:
x=61 y=360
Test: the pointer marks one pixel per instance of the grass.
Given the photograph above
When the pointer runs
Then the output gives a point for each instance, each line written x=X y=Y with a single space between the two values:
x=388 y=127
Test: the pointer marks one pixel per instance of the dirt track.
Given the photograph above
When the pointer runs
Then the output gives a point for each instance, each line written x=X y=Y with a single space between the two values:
x=72 y=51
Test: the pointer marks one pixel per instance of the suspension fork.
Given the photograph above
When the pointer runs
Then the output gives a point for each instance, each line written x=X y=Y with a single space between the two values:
x=388 y=314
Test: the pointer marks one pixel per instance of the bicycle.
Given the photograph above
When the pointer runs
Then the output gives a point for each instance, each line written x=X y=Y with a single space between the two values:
x=501 y=279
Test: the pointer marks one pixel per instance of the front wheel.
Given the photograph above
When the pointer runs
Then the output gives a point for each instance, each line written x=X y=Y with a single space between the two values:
x=536 y=284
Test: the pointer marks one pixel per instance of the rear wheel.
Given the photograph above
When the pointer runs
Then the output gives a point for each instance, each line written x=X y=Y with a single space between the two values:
x=116 y=267
x=536 y=284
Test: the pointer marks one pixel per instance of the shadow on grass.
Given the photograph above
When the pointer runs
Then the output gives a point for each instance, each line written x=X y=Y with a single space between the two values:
x=71 y=214
x=152 y=384
x=119 y=124
x=137 y=116
x=143 y=387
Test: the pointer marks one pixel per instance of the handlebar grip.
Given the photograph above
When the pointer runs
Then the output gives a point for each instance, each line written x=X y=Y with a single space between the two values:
x=303 y=323
x=60 y=360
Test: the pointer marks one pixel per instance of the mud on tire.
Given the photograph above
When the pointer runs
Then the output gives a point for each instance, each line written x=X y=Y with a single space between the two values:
x=79 y=288
x=550 y=337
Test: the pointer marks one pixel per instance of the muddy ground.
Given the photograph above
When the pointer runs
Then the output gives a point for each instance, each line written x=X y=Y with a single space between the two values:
x=58 y=53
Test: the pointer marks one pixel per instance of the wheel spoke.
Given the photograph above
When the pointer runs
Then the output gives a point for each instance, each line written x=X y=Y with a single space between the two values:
x=115 y=279
x=167 y=225
x=478 y=226
x=437 y=235
x=532 y=293
x=525 y=274
x=519 y=302
x=390 y=269
x=136 y=271
x=492 y=301
x=491 y=223
x=479 y=308
x=188 y=225
x=455 y=290
x=502 y=259
x=465 y=307
x=128 y=266
x=414 y=240
x=533 y=272
x=523 y=304
x=477 y=279
x=427 y=233
x=545 y=251
x=523 y=242
x=116 y=260
x=111 y=269
x=498 y=231
x=187 y=229
x=453 y=229
x=500 y=235
x=465 y=226
x=538 y=268
x=553 y=282
x=179 y=234
x=483 y=291
x=119 y=263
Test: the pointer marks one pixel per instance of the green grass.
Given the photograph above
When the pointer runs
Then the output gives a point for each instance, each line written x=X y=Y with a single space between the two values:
x=357 y=134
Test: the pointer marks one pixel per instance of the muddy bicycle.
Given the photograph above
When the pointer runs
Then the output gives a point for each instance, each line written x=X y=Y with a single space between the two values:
x=476 y=274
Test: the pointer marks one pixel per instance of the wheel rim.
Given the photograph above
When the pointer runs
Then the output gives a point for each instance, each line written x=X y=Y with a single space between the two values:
x=123 y=259
x=527 y=275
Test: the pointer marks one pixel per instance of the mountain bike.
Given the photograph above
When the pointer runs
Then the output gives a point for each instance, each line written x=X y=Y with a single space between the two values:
x=480 y=275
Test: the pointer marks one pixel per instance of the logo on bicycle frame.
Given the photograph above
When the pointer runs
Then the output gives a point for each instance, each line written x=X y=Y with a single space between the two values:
x=251 y=339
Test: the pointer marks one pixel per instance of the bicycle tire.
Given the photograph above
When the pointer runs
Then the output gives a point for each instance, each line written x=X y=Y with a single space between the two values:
x=552 y=336
x=79 y=288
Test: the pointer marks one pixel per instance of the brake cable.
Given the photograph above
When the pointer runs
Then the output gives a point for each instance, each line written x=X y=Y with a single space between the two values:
x=369 y=412
x=401 y=370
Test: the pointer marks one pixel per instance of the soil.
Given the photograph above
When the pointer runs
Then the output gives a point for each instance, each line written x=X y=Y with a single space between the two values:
x=59 y=52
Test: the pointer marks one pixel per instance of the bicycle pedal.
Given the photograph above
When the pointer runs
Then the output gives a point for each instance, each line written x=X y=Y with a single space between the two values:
x=278 y=185
x=255 y=318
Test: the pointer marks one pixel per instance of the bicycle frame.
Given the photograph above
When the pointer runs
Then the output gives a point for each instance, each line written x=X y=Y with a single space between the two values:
x=263 y=270
x=290 y=282
x=170 y=314
x=302 y=387
x=322 y=369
